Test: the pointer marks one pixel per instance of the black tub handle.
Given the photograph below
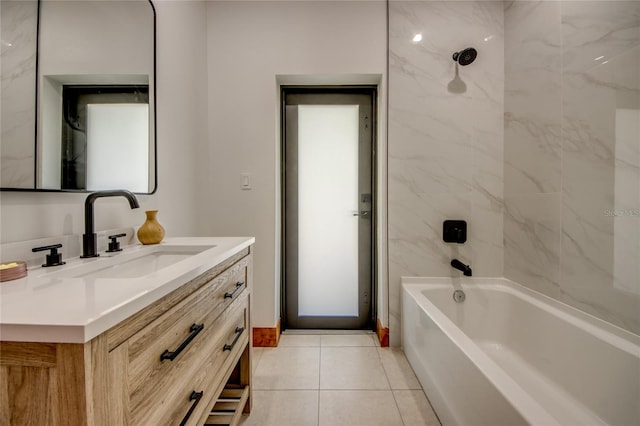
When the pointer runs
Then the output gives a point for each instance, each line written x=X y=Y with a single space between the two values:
x=239 y=286
x=194 y=330
x=239 y=331
x=195 y=397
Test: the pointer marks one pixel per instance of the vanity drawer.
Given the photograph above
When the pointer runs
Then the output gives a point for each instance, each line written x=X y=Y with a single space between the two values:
x=177 y=331
x=163 y=391
x=217 y=285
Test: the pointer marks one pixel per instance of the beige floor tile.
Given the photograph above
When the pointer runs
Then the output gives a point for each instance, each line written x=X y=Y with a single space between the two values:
x=351 y=368
x=398 y=369
x=376 y=340
x=298 y=340
x=288 y=368
x=415 y=408
x=358 y=408
x=348 y=340
x=255 y=358
x=283 y=408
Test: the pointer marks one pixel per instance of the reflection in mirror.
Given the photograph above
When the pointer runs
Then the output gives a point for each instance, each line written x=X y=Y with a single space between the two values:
x=107 y=46
x=99 y=124
x=18 y=28
x=95 y=53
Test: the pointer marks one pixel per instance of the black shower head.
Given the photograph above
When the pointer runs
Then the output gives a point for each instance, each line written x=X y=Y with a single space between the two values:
x=466 y=56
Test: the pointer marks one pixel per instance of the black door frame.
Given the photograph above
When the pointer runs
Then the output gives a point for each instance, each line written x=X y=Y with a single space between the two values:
x=341 y=89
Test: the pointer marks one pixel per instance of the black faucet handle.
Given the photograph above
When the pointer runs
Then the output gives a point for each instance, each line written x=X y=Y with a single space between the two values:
x=53 y=258
x=114 y=244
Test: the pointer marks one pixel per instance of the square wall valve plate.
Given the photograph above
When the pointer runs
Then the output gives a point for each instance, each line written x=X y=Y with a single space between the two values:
x=454 y=231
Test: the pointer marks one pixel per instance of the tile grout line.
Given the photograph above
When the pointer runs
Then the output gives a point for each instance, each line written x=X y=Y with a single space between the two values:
x=384 y=370
x=421 y=389
x=319 y=378
x=319 y=346
x=393 y=394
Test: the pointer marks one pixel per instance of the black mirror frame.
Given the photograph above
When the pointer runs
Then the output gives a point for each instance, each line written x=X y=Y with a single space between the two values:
x=155 y=121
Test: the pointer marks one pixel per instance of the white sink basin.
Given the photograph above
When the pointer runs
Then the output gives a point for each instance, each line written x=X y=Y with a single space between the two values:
x=131 y=263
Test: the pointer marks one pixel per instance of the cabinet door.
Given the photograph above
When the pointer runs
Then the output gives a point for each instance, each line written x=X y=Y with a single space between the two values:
x=42 y=384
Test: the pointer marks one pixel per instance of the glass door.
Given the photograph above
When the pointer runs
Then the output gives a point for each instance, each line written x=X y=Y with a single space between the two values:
x=328 y=207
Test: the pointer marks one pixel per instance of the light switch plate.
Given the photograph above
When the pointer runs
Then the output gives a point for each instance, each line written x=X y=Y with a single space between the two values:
x=245 y=180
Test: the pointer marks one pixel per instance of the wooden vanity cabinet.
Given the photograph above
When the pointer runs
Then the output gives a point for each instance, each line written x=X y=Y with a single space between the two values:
x=167 y=364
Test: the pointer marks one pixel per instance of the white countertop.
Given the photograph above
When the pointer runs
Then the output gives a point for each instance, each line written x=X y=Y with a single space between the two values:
x=43 y=307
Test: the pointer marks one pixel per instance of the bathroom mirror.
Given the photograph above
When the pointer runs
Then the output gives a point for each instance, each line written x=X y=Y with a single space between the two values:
x=93 y=117
x=18 y=29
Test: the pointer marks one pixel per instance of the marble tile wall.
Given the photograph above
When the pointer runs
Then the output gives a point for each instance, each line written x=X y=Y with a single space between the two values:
x=17 y=62
x=572 y=159
x=533 y=144
x=445 y=140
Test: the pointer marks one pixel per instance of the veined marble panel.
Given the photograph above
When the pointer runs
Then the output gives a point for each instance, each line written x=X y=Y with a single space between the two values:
x=446 y=130
x=532 y=234
x=533 y=102
x=570 y=67
x=416 y=247
x=601 y=43
x=18 y=80
x=561 y=157
x=487 y=89
x=596 y=31
x=626 y=212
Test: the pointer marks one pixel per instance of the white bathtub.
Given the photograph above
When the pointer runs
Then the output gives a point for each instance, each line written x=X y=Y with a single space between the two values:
x=511 y=356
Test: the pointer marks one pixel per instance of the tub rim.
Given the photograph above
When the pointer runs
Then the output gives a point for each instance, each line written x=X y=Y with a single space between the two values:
x=514 y=393
x=616 y=336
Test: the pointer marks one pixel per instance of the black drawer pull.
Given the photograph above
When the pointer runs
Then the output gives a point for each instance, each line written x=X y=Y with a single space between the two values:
x=239 y=331
x=194 y=330
x=195 y=397
x=239 y=286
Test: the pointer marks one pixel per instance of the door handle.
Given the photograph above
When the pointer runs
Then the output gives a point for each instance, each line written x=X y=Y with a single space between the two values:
x=361 y=213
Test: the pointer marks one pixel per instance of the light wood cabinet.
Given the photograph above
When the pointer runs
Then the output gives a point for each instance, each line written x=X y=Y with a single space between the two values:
x=168 y=364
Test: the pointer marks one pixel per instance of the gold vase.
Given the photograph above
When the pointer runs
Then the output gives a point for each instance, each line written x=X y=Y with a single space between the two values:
x=151 y=232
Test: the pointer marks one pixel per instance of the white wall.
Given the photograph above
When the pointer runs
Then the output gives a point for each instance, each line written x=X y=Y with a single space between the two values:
x=249 y=45
x=181 y=127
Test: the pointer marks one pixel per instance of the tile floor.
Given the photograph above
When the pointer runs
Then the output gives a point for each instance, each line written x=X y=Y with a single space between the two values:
x=335 y=380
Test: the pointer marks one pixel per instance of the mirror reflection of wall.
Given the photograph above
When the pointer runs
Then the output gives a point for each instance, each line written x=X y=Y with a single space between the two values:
x=114 y=129
x=77 y=43
x=19 y=20
x=104 y=140
x=94 y=52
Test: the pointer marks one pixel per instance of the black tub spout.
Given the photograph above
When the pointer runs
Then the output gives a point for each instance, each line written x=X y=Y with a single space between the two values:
x=466 y=269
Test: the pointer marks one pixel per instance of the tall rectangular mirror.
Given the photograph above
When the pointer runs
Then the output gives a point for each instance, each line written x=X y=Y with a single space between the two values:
x=94 y=101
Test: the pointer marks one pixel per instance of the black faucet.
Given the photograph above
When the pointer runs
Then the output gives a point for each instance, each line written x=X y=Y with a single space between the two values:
x=89 y=238
x=466 y=270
